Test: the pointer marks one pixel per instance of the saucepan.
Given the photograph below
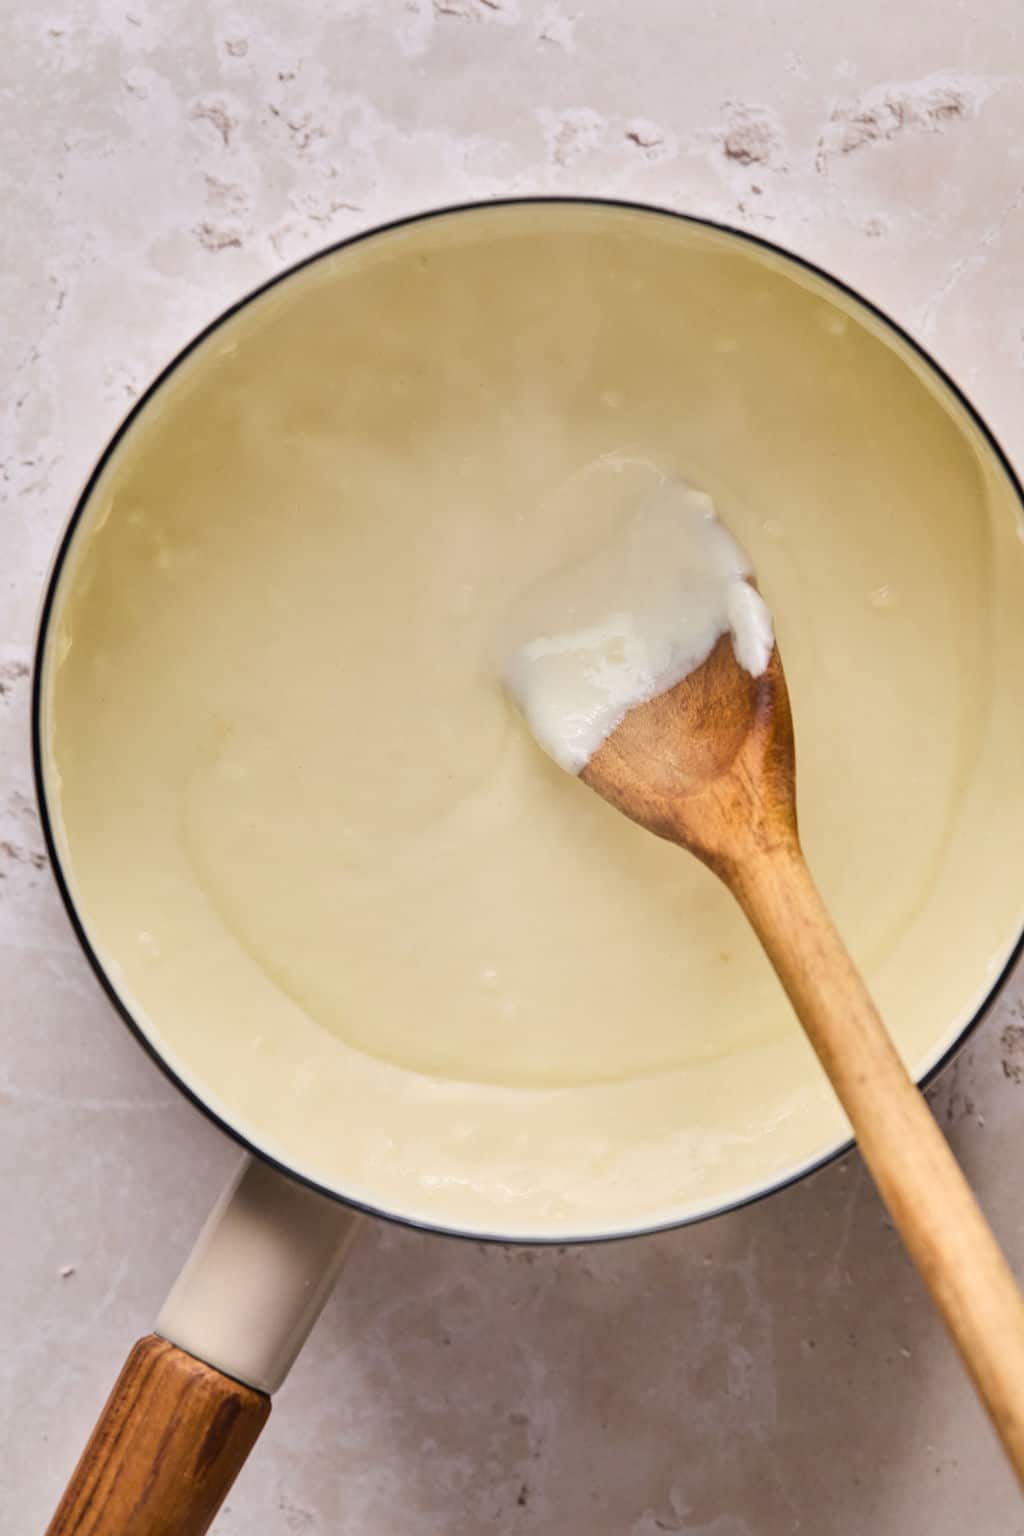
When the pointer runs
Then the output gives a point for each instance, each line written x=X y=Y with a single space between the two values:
x=331 y=884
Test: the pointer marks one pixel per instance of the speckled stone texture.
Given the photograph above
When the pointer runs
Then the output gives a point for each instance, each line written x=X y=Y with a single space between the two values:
x=775 y=1371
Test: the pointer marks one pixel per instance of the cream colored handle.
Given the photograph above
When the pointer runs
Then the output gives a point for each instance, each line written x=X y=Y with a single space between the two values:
x=192 y=1398
x=258 y=1276
x=920 y=1181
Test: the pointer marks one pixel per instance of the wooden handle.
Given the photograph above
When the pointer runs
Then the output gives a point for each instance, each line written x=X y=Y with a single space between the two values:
x=917 y=1176
x=168 y=1445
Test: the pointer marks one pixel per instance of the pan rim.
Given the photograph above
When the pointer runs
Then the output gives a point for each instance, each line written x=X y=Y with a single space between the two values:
x=558 y=1240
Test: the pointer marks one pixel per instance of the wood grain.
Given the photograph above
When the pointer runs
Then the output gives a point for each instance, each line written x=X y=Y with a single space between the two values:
x=165 y=1451
x=710 y=765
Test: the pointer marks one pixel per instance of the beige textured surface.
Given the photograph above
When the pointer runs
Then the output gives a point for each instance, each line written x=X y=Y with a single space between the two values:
x=773 y=1372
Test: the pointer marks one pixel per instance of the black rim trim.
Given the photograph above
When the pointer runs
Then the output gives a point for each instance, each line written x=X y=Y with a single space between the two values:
x=744 y=236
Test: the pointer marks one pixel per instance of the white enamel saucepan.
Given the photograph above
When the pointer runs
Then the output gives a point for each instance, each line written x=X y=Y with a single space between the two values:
x=367 y=927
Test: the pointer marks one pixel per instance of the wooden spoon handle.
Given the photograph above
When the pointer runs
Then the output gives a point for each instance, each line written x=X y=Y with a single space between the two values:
x=168 y=1445
x=917 y=1176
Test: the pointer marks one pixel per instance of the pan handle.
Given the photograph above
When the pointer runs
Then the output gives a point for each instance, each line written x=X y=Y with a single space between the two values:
x=192 y=1398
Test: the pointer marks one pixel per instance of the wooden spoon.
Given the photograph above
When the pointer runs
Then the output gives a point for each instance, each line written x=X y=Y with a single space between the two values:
x=710 y=765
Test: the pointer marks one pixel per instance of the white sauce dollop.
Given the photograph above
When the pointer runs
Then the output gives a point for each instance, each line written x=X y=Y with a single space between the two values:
x=630 y=621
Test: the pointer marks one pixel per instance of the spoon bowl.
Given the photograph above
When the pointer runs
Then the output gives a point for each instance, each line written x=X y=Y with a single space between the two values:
x=710 y=763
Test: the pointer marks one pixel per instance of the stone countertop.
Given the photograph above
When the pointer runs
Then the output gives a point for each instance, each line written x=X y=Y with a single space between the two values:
x=773 y=1371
